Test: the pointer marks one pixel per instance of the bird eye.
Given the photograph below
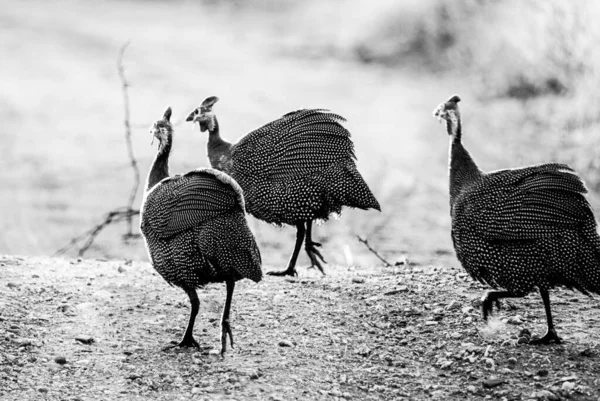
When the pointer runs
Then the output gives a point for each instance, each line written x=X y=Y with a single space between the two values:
x=196 y=111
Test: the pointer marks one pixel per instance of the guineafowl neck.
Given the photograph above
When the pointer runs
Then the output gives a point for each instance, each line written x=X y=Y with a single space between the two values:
x=219 y=150
x=160 y=166
x=463 y=170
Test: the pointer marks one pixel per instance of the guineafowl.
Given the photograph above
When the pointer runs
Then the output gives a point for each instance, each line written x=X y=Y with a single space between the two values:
x=520 y=229
x=195 y=230
x=294 y=170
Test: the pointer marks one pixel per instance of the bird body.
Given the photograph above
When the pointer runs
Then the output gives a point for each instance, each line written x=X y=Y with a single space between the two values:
x=195 y=230
x=296 y=169
x=520 y=229
x=190 y=223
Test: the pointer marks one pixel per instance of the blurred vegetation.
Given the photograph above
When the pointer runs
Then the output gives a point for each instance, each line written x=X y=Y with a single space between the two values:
x=542 y=54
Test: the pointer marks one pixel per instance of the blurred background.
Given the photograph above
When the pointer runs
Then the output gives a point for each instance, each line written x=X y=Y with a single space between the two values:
x=527 y=71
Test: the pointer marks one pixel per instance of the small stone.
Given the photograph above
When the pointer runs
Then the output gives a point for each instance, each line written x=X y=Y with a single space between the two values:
x=523 y=340
x=544 y=395
x=471 y=388
x=42 y=389
x=489 y=362
x=12 y=285
x=23 y=342
x=358 y=280
x=84 y=339
x=61 y=360
x=516 y=320
x=121 y=269
x=456 y=335
x=493 y=382
x=285 y=343
x=512 y=361
x=542 y=373
x=196 y=390
x=568 y=386
x=525 y=333
x=453 y=305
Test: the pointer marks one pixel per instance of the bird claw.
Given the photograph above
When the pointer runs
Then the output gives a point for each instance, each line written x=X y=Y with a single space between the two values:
x=225 y=331
x=187 y=341
x=314 y=254
x=287 y=272
x=549 y=337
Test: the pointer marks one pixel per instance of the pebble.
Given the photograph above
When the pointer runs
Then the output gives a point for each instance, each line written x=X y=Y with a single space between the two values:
x=471 y=388
x=196 y=390
x=542 y=373
x=544 y=395
x=523 y=340
x=525 y=333
x=358 y=280
x=512 y=361
x=61 y=360
x=489 y=362
x=453 y=305
x=493 y=382
x=517 y=319
x=12 y=285
x=456 y=335
x=42 y=389
x=84 y=339
x=568 y=386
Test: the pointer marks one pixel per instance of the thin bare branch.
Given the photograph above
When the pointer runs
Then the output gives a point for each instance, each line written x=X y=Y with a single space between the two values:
x=133 y=160
x=366 y=242
x=127 y=213
x=88 y=237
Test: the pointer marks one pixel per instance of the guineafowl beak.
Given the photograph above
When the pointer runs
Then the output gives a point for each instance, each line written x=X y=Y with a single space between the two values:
x=440 y=112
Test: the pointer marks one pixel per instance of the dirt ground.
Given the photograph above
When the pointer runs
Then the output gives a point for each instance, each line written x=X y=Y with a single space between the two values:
x=409 y=332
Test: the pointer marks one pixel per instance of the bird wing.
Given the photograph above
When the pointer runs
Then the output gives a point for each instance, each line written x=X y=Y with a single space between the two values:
x=297 y=144
x=180 y=203
x=529 y=203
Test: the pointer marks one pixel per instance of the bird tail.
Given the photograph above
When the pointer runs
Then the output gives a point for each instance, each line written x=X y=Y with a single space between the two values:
x=583 y=271
x=351 y=190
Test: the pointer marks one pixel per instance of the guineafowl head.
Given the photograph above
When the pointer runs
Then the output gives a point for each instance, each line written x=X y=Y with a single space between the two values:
x=162 y=129
x=204 y=115
x=449 y=112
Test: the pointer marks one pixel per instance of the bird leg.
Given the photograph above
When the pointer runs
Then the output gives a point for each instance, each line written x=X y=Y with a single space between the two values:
x=188 y=339
x=492 y=297
x=311 y=249
x=550 y=333
x=291 y=267
x=225 y=327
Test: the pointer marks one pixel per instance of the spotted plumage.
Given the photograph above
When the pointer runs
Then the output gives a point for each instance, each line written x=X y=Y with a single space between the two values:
x=296 y=169
x=195 y=229
x=520 y=229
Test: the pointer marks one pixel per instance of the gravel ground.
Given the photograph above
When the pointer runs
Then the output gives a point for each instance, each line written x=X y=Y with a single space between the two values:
x=89 y=329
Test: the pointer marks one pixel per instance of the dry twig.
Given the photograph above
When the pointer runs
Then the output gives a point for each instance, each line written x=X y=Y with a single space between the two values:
x=366 y=242
x=123 y=213
x=134 y=165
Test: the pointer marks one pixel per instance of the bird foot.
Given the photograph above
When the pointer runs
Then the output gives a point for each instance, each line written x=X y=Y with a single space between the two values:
x=225 y=331
x=549 y=337
x=487 y=305
x=287 y=272
x=187 y=341
x=314 y=254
